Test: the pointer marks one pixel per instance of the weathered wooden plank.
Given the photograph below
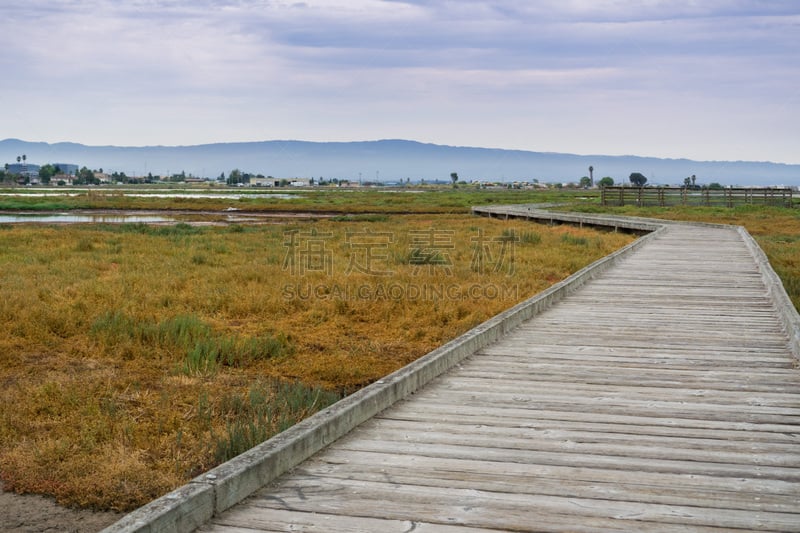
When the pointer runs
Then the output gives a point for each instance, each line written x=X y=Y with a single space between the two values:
x=490 y=509
x=585 y=349
x=482 y=417
x=744 y=493
x=529 y=437
x=573 y=347
x=533 y=367
x=260 y=517
x=723 y=328
x=529 y=374
x=612 y=462
x=707 y=349
x=521 y=415
x=613 y=486
x=578 y=388
x=788 y=463
x=246 y=520
x=599 y=403
x=589 y=353
x=658 y=324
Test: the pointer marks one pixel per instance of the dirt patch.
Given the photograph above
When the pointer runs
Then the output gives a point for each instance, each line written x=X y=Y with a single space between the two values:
x=30 y=513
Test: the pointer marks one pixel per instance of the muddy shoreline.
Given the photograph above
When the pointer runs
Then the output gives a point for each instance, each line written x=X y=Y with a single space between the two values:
x=31 y=513
x=167 y=217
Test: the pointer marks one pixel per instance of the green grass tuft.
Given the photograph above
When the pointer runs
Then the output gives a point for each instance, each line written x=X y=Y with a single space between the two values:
x=267 y=409
x=574 y=240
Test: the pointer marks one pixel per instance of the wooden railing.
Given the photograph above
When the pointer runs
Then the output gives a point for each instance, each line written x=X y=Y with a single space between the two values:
x=668 y=196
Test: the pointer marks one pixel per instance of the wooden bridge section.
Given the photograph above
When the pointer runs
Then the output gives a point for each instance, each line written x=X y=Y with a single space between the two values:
x=662 y=395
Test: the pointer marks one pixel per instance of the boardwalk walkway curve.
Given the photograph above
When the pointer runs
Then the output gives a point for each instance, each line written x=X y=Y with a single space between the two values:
x=655 y=390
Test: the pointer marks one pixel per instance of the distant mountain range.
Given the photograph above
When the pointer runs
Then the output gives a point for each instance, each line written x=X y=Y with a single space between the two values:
x=391 y=160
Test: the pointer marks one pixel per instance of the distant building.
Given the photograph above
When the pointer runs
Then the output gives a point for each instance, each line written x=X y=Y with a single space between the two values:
x=265 y=182
x=28 y=170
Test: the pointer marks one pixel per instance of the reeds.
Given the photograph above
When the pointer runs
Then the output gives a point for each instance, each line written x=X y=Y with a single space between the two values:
x=266 y=409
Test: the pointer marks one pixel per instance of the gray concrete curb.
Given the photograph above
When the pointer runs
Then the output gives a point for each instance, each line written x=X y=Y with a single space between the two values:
x=194 y=504
x=786 y=310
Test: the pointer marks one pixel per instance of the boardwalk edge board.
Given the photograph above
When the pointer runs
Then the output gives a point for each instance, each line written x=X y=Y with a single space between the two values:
x=786 y=310
x=190 y=506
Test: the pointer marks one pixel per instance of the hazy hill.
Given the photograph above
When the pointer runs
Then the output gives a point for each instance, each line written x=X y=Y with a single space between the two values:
x=391 y=160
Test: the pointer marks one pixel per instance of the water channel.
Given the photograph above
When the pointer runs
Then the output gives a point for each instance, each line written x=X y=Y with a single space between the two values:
x=68 y=218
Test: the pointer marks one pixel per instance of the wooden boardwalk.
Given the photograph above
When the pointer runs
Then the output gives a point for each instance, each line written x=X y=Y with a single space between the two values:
x=661 y=396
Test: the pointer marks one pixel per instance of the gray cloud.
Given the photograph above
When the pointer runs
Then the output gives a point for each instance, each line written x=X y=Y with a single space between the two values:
x=499 y=73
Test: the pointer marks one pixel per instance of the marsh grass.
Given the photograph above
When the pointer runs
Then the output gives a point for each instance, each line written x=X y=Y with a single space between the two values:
x=134 y=366
x=124 y=356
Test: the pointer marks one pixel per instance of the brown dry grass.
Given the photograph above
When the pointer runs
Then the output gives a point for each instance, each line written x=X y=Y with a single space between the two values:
x=137 y=357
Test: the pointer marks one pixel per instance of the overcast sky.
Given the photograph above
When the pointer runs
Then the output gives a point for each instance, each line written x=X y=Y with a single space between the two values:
x=702 y=79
